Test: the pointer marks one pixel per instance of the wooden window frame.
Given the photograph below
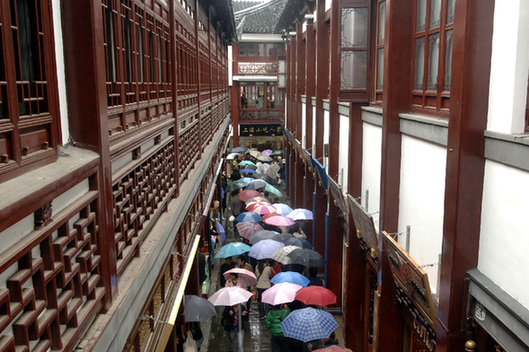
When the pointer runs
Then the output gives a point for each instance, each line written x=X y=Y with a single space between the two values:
x=29 y=126
x=430 y=99
x=379 y=47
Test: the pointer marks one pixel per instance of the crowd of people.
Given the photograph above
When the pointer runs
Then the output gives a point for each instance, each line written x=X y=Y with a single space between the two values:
x=264 y=269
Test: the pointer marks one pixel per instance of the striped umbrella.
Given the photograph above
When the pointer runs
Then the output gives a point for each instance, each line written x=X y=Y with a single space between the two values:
x=246 y=229
x=281 y=255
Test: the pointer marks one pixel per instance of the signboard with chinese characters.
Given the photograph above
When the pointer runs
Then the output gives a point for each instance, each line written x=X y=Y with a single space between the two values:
x=261 y=130
x=365 y=226
x=413 y=292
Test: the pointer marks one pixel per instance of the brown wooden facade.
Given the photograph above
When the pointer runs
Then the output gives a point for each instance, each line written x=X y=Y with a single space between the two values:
x=395 y=78
x=98 y=227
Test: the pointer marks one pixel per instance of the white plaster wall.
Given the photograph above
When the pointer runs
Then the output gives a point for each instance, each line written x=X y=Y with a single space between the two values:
x=61 y=79
x=326 y=130
x=230 y=65
x=421 y=206
x=328 y=5
x=504 y=239
x=371 y=165
x=509 y=67
x=304 y=125
x=343 y=159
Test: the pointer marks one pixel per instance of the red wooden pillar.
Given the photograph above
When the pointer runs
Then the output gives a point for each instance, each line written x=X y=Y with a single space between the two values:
x=235 y=99
x=322 y=74
x=465 y=164
x=397 y=85
x=85 y=63
x=334 y=89
x=335 y=248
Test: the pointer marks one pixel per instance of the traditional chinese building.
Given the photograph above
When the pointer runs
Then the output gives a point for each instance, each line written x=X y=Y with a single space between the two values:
x=258 y=75
x=406 y=135
x=114 y=116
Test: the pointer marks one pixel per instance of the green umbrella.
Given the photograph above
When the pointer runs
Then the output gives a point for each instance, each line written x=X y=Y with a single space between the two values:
x=277 y=152
x=272 y=189
x=244 y=162
x=234 y=185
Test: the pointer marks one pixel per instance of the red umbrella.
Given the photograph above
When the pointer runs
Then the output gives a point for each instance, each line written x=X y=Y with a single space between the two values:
x=335 y=348
x=251 y=205
x=264 y=209
x=249 y=193
x=316 y=296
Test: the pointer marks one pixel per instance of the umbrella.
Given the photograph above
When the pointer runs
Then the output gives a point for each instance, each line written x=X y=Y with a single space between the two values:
x=253 y=199
x=267 y=152
x=230 y=296
x=334 y=348
x=264 y=158
x=234 y=185
x=285 y=236
x=265 y=177
x=255 y=153
x=264 y=209
x=280 y=293
x=316 y=296
x=256 y=203
x=220 y=231
x=238 y=150
x=234 y=248
x=263 y=235
x=298 y=242
x=198 y=309
x=250 y=166
x=244 y=274
x=248 y=171
x=248 y=216
x=264 y=249
x=232 y=156
x=247 y=162
x=290 y=276
x=246 y=180
x=308 y=324
x=306 y=257
x=249 y=193
x=300 y=214
x=272 y=189
x=246 y=229
x=256 y=184
x=279 y=220
x=281 y=255
x=282 y=209
x=277 y=152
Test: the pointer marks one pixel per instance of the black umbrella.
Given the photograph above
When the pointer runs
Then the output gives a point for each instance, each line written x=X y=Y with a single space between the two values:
x=266 y=178
x=198 y=309
x=306 y=257
x=285 y=236
x=298 y=242
x=263 y=235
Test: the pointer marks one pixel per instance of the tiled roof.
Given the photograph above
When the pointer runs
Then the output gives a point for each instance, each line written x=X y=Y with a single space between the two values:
x=257 y=16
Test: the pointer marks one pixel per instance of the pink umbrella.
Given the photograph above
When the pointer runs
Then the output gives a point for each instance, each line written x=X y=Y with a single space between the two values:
x=281 y=293
x=244 y=274
x=267 y=152
x=249 y=193
x=230 y=296
x=279 y=220
x=246 y=229
x=264 y=209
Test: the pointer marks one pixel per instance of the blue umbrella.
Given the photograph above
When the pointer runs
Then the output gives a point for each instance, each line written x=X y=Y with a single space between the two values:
x=248 y=171
x=265 y=249
x=232 y=249
x=308 y=324
x=238 y=150
x=248 y=216
x=221 y=232
x=290 y=276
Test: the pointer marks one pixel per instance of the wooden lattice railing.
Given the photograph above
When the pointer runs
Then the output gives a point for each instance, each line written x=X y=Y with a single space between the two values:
x=51 y=280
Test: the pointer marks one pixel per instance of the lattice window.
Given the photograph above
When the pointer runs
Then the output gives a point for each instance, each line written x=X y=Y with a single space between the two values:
x=138 y=197
x=138 y=64
x=53 y=285
x=28 y=117
x=188 y=149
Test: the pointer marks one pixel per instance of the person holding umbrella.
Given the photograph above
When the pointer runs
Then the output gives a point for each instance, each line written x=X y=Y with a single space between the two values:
x=234 y=326
x=263 y=273
x=275 y=316
x=229 y=264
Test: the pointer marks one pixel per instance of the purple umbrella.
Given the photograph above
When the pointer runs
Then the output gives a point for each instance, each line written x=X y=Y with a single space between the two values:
x=267 y=152
x=264 y=249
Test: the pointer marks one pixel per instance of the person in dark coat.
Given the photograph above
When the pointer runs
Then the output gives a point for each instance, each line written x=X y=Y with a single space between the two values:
x=313 y=277
x=229 y=264
x=233 y=326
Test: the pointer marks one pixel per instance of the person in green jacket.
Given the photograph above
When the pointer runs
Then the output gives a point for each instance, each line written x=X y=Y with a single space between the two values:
x=274 y=317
